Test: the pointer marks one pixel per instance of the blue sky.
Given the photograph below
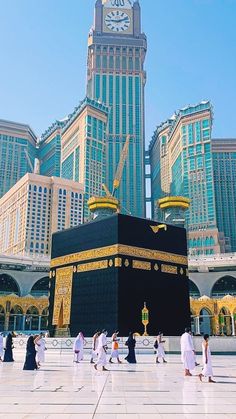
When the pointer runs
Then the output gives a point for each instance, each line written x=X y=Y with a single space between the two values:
x=191 y=57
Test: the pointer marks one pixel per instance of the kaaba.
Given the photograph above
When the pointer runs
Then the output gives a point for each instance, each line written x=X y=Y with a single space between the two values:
x=102 y=272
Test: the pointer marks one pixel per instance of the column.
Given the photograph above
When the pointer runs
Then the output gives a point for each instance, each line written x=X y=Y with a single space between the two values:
x=228 y=325
x=233 y=325
x=217 y=326
x=6 y=324
x=14 y=327
x=23 y=322
x=198 y=325
x=40 y=321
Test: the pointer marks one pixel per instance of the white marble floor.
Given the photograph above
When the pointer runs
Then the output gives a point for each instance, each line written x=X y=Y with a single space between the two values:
x=61 y=390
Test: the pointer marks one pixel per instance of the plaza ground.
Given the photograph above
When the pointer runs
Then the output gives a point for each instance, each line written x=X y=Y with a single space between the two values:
x=62 y=390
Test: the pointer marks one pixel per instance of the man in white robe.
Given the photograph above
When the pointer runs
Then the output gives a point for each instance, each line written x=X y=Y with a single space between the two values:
x=78 y=348
x=94 y=352
x=187 y=352
x=206 y=358
x=1 y=347
x=102 y=351
x=41 y=348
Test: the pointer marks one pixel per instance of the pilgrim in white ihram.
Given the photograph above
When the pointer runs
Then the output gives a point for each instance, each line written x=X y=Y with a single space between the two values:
x=187 y=352
x=102 y=348
x=78 y=348
x=206 y=359
x=94 y=352
x=41 y=348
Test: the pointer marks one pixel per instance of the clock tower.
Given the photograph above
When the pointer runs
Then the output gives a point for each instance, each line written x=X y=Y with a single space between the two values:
x=116 y=77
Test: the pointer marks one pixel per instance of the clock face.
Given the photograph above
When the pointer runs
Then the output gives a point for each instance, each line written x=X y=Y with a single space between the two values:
x=117 y=21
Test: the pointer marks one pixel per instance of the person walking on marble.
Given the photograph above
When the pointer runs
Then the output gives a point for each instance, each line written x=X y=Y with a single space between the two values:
x=30 y=357
x=78 y=348
x=8 y=355
x=102 y=351
x=94 y=352
x=115 y=348
x=41 y=348
x=131 y=343
x=1 y=347
x=206 y=358
x=187 y=352
x=160 y=352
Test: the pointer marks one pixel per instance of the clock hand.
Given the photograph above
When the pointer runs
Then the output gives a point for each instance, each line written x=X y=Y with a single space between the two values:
x=118 y=21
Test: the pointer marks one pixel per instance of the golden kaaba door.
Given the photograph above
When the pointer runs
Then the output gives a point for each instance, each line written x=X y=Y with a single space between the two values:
x=63 y=295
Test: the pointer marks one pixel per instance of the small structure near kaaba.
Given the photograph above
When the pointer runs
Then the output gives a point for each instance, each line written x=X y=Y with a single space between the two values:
x=103 y=271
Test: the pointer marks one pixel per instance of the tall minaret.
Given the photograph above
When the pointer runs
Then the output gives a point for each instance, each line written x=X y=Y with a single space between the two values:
x=116 y=77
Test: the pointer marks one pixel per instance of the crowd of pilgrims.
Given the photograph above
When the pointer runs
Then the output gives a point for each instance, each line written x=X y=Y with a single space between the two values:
x=36 y=347
x=35 y=350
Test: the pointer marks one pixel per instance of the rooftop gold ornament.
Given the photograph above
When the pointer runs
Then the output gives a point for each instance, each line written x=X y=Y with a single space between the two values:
x=156 y=229
x=106 y=205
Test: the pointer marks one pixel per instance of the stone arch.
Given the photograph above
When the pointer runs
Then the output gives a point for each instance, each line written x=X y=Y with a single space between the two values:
x=225 y=321
x=225 y=285
x=32 y=318
x=32 y=310
x=225 y=310
x=8 y=285
x=205 y=316
x=207 y=309
x=16 y=318
x=40 y=287
x=44 y=321
x=194 y=290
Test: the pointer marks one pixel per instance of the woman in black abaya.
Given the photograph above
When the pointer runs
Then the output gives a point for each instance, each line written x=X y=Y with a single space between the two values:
x=131 y=342
x=8 y=356
x=30 y=362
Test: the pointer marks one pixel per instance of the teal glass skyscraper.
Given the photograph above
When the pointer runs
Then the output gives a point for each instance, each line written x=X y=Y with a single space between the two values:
x=17 y=153
x=83 y=149
x=116 y=77
x=224 y=168
x=49 y=150
x=182 y=165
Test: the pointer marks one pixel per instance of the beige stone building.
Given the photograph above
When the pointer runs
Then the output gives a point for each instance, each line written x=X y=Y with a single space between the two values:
x=34 y=208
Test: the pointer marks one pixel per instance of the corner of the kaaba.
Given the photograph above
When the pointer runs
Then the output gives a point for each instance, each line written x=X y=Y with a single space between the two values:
x=83 y=278
x=102 y=272
x=154 y=269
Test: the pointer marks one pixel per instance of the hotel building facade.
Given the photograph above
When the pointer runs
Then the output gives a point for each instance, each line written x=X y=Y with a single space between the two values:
x=49 y=150
x=182 y=165
x=17 y=153
x=33 y=209
x=224 y=169
x=83 y=149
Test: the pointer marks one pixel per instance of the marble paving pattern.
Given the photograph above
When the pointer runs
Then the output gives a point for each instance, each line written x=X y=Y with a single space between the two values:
x=62 y=390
